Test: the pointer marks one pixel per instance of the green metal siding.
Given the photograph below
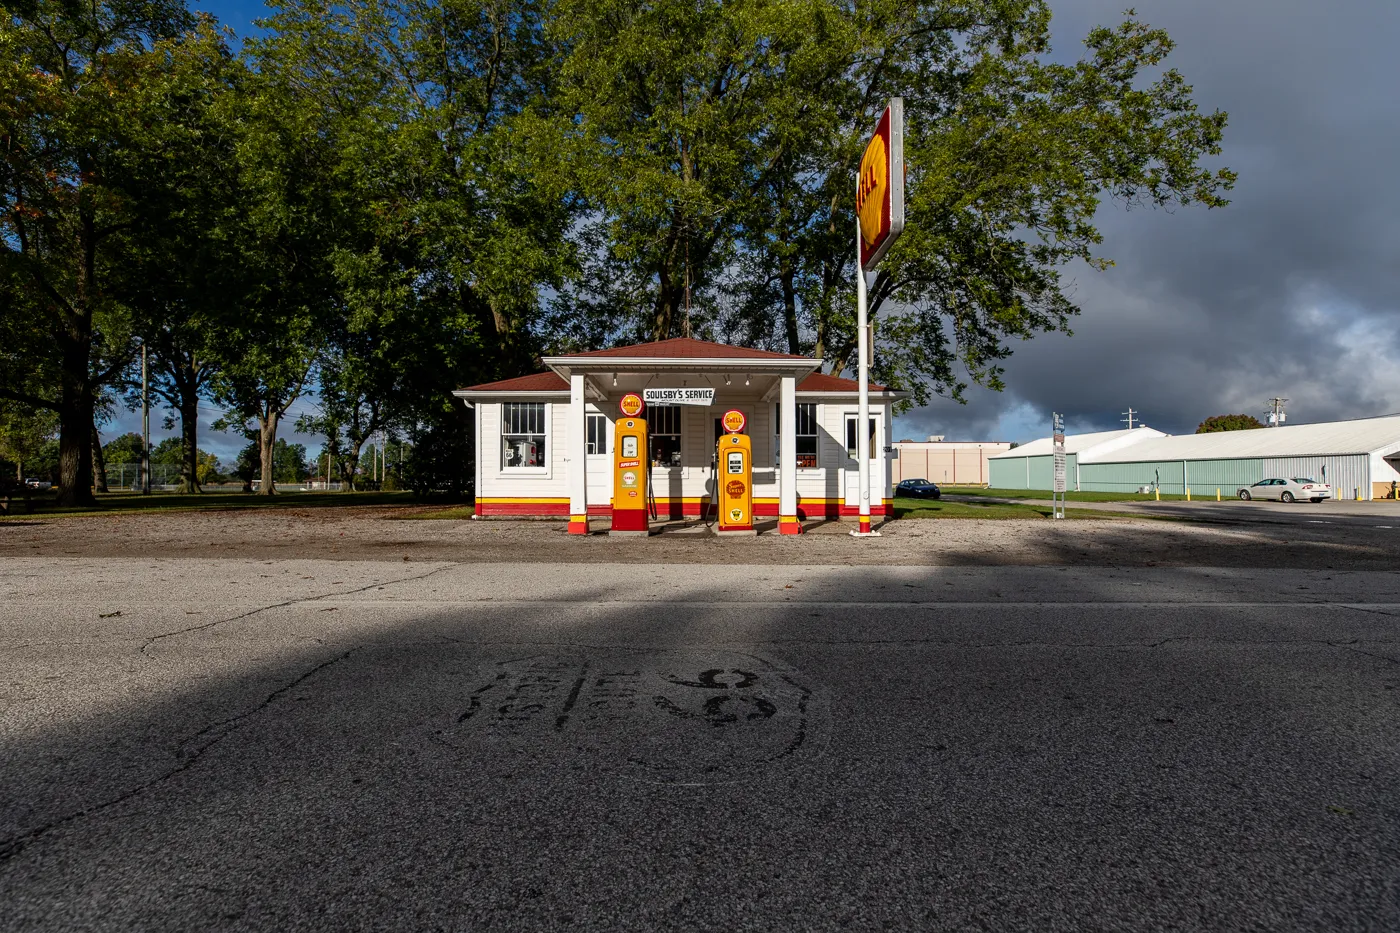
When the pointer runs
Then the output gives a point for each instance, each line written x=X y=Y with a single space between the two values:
x=1009 y=473
x=1012 y=473
x=1042 y=473
x=1203 y=477
x=1129 y=477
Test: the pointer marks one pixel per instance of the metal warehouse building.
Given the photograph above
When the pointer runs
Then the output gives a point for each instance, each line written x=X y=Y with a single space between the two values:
x=1358 y=458
x=1032 y=466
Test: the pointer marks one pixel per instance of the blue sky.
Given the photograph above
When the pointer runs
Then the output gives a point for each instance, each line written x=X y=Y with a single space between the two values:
x=1292 y=290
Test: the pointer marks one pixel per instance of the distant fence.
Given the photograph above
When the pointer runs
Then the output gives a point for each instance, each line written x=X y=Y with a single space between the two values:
x=166 y=476
x=128 y=475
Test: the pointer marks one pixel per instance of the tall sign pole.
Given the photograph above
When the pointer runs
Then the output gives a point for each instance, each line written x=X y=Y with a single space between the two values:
x=145 y=426
x=879 y=221
x=1057 y=495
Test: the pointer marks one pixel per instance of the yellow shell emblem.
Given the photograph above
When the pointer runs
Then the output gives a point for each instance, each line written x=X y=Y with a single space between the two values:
x=870 y=196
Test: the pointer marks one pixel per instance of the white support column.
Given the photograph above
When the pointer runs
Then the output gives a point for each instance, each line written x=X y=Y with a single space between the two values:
x=863 y=418
x=787 y=457
x=577 y=456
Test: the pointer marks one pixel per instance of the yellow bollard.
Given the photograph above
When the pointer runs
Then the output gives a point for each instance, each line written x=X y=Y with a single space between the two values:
x=1217 y=493
x=1157 y=493
x=1188 y=493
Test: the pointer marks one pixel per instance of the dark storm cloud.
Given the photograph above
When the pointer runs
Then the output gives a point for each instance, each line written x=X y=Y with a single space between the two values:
x=1291 y=290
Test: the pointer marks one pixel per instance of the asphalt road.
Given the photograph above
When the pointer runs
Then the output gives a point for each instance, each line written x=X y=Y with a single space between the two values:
x=287 y=745
x=1383 y=515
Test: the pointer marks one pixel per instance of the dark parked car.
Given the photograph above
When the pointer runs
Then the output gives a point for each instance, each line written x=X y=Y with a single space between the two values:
x=918 y=488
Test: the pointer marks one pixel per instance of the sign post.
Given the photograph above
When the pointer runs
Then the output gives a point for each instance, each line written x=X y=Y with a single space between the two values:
x=879 y=221
x=1057 y=496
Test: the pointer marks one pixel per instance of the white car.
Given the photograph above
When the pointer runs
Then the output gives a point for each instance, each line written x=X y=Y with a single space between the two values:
x=1287 y=490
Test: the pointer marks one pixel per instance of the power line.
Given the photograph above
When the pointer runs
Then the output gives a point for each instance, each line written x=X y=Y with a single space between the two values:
x=1275 y=412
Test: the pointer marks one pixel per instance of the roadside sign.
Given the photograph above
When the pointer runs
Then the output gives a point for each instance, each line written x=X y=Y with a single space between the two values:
x=631 y=404
x=1057 y=428
x=684 y=396
x=880 y=191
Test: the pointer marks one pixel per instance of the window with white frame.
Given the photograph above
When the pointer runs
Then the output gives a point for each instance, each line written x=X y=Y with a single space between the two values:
x=851 y=437
x=523 y=435
x=664 y=435
x=597 y=434
x=806 y=417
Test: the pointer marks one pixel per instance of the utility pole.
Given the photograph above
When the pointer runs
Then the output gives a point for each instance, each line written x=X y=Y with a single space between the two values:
x=1129 y=420
x=145 y=426
x=1276 y=414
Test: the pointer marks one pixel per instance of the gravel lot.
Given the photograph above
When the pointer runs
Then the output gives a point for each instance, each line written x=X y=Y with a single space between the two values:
x=372 y=533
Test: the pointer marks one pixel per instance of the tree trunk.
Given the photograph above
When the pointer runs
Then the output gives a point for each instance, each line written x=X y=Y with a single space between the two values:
x=787 y=274
x=75 y=425
x=189 y=449
x=267 y=439
x=99 y=463
x=357 y=443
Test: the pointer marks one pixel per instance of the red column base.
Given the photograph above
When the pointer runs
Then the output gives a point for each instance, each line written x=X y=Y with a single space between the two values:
x=578 y=524
x=865 y=524
x=789 y=525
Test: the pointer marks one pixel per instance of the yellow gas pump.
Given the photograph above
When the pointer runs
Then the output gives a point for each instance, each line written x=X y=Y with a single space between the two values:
x=734 y=477
x=631 y=470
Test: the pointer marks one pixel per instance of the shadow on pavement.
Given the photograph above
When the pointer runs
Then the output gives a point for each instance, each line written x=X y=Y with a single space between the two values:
x=896 y=750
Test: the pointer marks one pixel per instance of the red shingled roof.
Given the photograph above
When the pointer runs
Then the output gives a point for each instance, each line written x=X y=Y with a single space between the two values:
x=821 y=382
x=686 y=348
x=551 y=382
x=537 y=382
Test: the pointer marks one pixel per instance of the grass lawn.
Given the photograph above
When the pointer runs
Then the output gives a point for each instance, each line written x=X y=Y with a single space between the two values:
x=927 y=508
x=128 y=503
x=1081 y=496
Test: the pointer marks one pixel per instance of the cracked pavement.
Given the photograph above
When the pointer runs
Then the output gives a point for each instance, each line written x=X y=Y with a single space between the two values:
x=287 y=744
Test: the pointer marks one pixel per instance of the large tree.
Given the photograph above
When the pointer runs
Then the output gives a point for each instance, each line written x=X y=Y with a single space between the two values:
x=70 y=80
x=724 y=139
x=1228 y=423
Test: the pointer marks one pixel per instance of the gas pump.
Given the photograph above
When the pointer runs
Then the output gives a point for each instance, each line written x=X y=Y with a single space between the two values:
x=631 y=470
x=734 y=477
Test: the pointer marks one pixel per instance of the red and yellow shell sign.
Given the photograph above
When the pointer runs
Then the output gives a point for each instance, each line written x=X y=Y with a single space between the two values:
x=734 y=421
x=631 y=404
x=880 y=188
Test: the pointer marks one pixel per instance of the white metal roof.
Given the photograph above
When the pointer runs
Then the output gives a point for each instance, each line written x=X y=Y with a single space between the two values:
x=1079 y=443
x=1365 y=436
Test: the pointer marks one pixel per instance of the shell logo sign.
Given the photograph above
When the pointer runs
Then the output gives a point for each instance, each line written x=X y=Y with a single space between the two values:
x=734 y=421
x=880 y=187
x=874 y=185
x=631 y=404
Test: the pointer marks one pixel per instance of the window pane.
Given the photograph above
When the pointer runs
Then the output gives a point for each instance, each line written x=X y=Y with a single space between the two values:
x=522 y=451
x=665 y=450
x=597 y=434
x=664 y=427
x=851 y=438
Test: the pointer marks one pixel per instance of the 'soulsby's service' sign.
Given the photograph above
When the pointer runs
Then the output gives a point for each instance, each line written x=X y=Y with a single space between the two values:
x=679 y=396
x=880 y=192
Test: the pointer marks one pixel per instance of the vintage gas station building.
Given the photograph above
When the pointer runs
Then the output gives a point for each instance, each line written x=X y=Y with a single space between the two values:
x=545 y=442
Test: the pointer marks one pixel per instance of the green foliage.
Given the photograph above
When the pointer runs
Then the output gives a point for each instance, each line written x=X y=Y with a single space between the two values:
x=1228 y=423
x=124 y=449
x=382 y=200
x=290 y=464
x=717 y=144
x=438 y=457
